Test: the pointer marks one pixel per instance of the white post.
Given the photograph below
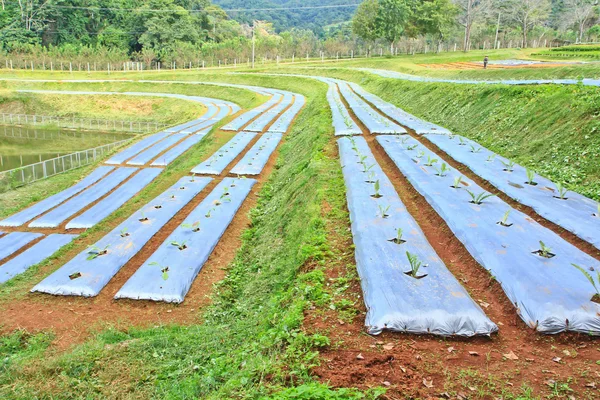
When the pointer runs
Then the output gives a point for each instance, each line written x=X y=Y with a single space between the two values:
x=307 y=56
x=51 y=66
x=351 y=53
x=293 y=57
x=88 y=64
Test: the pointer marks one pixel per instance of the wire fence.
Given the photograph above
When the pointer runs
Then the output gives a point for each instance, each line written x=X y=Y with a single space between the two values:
x=44 y=169
x=81 y=123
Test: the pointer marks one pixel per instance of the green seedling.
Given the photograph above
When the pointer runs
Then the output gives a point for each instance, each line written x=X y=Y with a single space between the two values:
x=398 y=239
x=442 y=170
x=431 y=161
x=180 y=246
x=544 y=251
x=412 y=147
x=530 y=177
x=504 y=220
x=589 y=277
x=370 y=177
x=383 y=211
x=124 y=232
x=163 y=270
x=404 y=140
x=562 y=191
x=475 y=149
x=491 y=158
x=508 y=166
x=195 y=227
x=420 y=154
x=462 y=141
x=209 y=212
x=377 y=186
x=415 y=265
x=96 y=252
x=457 y=182
x=479 y=198
x=366 y=169
x=362 y=159
x=143 y=216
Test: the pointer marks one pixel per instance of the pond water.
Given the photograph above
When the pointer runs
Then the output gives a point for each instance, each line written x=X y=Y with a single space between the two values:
x=20 y=146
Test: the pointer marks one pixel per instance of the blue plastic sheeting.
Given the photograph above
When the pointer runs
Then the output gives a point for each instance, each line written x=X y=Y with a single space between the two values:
x=97 y=272
x=34 y=255
x=550 y=295
x=55 y=217
x=435 y=304
x=225 y=155
x=178 y=150
x=257 y=157
x=285 y=120
x=113 y=201
x=223 y=111
x=15 y=241
x=169 y=272
x=243 y=119
x=151 y=153
x=415 y=78
x=374 y=122
x=260 y=123
x=41 y=207
x=138 y=147
x=342 y=122
x=577 y=214
x=417 y=124
x=198 y=124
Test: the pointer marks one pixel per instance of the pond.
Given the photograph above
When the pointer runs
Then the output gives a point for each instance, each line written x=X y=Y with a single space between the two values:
x=20 y=146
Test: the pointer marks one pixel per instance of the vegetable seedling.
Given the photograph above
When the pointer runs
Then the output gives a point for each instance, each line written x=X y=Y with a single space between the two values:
x=461 y=141
x=163 y=270
x=504 y=220
x=475 y=149
x=480 y=197
x=383 y=211
x=124 y=232
x=457 y=182
x=180 y=246
x=404 y=140
x=209 y=212
x=376 y=186
x=595 y=284
x=412 y=147
x=143 y=216
x=530 y=177
x=544 y=251
x=370 y=177
x=508 y=166
x=195 y=227
x=430 y=161
x=415 y=265
x=398 y=239
x=491 y=158
x=443 y=170
x=96 y=252
x=420 y=154
x=562 y=191
x=366 y=169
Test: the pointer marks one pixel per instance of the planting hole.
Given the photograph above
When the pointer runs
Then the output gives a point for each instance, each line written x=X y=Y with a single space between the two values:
x=75 y=275
x=531 y=183
x=395 y=240
x=409 y=273
x=561 y=198
x=596 y=298
x=516 y=185
x=376 y=196
x=504 y=224
x=158 y=206
x=544 y=254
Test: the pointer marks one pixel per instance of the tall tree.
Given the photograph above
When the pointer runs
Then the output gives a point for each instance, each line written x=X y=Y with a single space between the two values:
x=392 y=19
x=470 y=12
x=527 y=14
x=579 y=13
x=364 y=22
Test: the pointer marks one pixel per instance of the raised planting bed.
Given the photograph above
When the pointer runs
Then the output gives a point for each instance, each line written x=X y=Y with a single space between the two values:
x=170 y=271
x=570 y=210
x=343 y=124
x=406 y=287
x=225 y=155
x=533 y=265
x=34 y=255
x=136 y=148
x=246 y=117
x=257 y=157
x=153 y=151
x=72 y=206
x=14 y=241
x=41 y=207
x=260 y=123
x=87 y=273
x=113 y=201
x=374 y=121
x=282 y=124
x=178 y=150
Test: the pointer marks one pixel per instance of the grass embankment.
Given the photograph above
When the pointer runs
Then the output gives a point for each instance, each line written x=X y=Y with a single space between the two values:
x=249 y=342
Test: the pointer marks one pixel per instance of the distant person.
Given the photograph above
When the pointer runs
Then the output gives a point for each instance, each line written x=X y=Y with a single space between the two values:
x=485 y=62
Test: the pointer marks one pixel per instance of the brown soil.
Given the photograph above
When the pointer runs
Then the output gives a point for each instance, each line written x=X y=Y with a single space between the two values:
x=430 y=367
x=74 y=319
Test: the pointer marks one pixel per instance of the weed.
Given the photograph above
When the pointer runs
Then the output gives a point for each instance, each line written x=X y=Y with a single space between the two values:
x=195 y=226
x=480 y=197
x=180 y=246
x=508 y=166
x=562 y=191
x=164 y=270
x=457 y=182
x=377 y=186
x=383 y=211
x=504 y=220
x=431 y=161
x=530 y=177
x=590 y=278
x=443 y=170
x=415 y=265
x=96 y=252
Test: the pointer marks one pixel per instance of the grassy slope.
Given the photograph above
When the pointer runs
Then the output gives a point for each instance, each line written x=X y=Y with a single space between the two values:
x=262 y=298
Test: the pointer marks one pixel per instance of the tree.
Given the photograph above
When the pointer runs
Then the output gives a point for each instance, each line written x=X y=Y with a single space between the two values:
x=364 y=22
x=433 y=17
x=579 y=13
x=470 y=12
x=527 y=13
x=392 y=19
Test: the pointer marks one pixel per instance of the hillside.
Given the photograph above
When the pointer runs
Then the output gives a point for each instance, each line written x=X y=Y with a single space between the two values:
x=314 y=19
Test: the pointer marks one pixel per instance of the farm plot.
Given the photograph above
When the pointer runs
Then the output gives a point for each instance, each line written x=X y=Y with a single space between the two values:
x=343 y=124
x=217 y=163
x=136 y=148
x=374 y=121
x=533 y=265
x=61 y=213
x=178 y=150
x=417 y=124
x=170 y=271
x=41 y=207
x=406 y=287
x=248 y=116
x=15 y=241
x=87 y=273
x=572 y=211
x=282 y=124
x=257 y=157
x=113 y=201
x=149 y=154
x=34 y=255
x=260 y=123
